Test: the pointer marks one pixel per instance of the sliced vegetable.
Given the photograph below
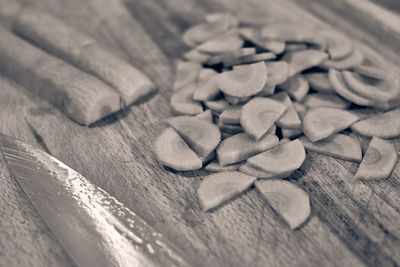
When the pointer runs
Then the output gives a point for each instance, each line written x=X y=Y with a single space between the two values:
x=297 y=87
x=236 y=100
x=371 y=71
x=291 y=133
x=303 y=59
x=295 y=47
x=231 y=115
x=230 y=128
x=354 y=59
x=214 y=166
x=319 y=81
x=247 y=59
x=205 y=74
x=338 y=45
x=206 y=89
x=290 y=201
x=254 y=36
x=378 y=162
x=172 y=151
x=196 y=56
x=227 y=58
x=300 y=109
x=283 y=158
x=182 y=101
x=240 y=147
x=259 y=114
x=219 y=187
x=255 y=171
x=374 y=89
x=186 y=73
x=338 y=145
x=290 y=119
x=385 y=125
x=243 y=80
x=217 y=105
x=202 y=136
x=205 y=115
x=325 y=100
x=227 y=42
x=277 y=73
x=322 y=122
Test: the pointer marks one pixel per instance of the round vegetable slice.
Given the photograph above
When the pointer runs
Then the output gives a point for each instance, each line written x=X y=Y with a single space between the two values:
x=339 y=146
x=378 y=162
x=219 y=187
x=297 y=87
x=303 y=59
x=240 y=146
x=259 y=114
x=231 y=115
x=325 y=100
x=243 y=80
x=385 y=125
x=182 y=101
x=214 y=166
x=227 y=42
x=375 y=89
x=254 y=36
x=322 y=122
x=338 y=45
x=202 y=136
x=354 y=59
x=290 y=201
x=319 y=81
x=290 y=119
x=172 y=151
x=277 y=73
x=283 y=158
x=186 y=73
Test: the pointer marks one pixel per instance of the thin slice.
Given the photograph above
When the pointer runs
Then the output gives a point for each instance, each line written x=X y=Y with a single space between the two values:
x=283 y=158
x=253 y=35
x=205 y=115
x=338 y=45
x=247 y=59
x=243 y=80
x=186 y=73
x=290 y=119
x=231 y=115
x=371 y=88
x=277 y=73
x=206 y=89
x=338 y=145
x=303 y=59
x=319 y=81
x=325 y=100
x=378 y=162
x=300 y=108
x=217 y=105
x=371 y=71
x=385 y=125
x=259 y=114
x=297 y=87
x=290 y=201
x=196 y=56
x=172 y=151
x=202 y=136
x=182 y=102
x=240 y=147
x=236 y=100
x=354 y=59
x=322 y=122
x=214 y=166
x=230 y=128
x=227 y=42
x=219 y=187
x=254 y=171
x=227 y=58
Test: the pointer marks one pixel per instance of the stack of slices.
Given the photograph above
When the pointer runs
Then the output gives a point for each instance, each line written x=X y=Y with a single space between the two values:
x=250 y=100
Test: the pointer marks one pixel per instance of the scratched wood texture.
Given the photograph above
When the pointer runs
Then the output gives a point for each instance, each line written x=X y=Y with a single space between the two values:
x=352 y=224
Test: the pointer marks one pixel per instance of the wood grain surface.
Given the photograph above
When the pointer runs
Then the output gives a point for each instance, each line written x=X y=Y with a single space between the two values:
x=352 y=224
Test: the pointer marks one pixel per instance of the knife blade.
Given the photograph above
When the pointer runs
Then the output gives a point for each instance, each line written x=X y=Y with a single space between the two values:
x=93 y=227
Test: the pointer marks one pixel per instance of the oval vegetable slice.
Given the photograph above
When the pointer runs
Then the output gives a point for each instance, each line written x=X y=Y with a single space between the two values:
x=243 y=80
x=240 y=146
x=338 y=45
x=182 y=101
x=339 y=146
x=325 y=100
x=354 y=59
x=214 y=166
x=297 y=87
x=290 y=119
x=385 y=125
x=202 y=136
x=371 y=88
x=219 y=187
x=290 y=201
x=231 y=115
x=319 y=81
x=322 y=122
x=303 y=59
x=378 y=162
x=283 y=158
x=259 y=114
x=172 y=151
x=227 y=42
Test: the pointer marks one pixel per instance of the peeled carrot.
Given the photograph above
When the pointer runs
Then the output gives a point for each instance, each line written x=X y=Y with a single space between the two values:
x=240 y=147
x=378 y=162
x=288 y=200
x=338 y=146
x=325 y=100
x=243 y=80
x=322 y=122
x=202 y=136
x=385 y=125
x=297 y=87
x=219 y=187
x=172 y=151
x=259 y=114
x=303 y=59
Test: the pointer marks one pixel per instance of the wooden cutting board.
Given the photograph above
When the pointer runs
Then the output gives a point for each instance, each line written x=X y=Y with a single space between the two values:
x=351 y=224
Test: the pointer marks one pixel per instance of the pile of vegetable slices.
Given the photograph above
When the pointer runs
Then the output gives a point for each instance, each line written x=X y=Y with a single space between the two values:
x=250 y=100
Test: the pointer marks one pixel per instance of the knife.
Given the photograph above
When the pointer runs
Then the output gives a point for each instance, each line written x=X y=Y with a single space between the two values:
x=94 y=228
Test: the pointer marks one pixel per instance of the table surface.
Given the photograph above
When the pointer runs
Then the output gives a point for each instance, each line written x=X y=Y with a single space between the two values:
x=352 y=224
